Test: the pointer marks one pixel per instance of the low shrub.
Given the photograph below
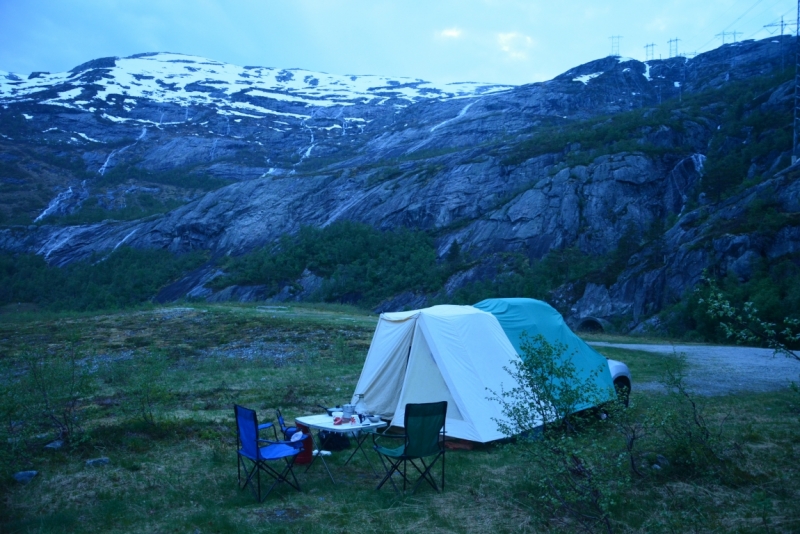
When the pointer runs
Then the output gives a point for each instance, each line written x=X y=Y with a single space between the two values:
x=359 y=264
x=125 y=277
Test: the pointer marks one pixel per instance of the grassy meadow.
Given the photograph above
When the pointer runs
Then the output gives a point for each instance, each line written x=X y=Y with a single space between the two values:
x=152 y=390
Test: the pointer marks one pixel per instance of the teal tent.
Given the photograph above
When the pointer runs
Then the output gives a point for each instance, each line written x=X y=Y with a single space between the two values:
x=535 y=317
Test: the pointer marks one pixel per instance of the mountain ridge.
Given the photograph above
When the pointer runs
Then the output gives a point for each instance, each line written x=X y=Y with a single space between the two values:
x=192 y=80
x=485 y=170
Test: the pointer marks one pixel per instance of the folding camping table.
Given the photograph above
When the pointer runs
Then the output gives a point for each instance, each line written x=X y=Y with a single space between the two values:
x=358 y=431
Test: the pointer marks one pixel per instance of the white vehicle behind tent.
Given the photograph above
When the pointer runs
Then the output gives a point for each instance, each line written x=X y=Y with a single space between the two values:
x=453 y=353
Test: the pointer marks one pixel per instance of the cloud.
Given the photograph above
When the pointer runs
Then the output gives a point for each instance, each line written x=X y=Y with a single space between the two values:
x=450 y=33
x=659 y=24
x=515 y=45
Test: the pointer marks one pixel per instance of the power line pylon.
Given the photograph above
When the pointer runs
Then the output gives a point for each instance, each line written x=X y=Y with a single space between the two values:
x=615 y=45
x=649 y=53
x=675 y=47
x=734 y=33
x=781 y=25
x=723 y=35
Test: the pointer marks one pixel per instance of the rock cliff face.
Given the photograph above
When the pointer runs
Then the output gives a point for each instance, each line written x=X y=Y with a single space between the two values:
x=249 y=154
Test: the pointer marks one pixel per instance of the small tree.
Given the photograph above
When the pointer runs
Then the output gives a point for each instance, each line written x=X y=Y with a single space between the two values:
x=573 y=485
x=548 y=389
x=634 y=429
x=57 y=384
x=149 y=391
x=745 y=327
x=453 y=256
x=685 y=432
x=12 y=426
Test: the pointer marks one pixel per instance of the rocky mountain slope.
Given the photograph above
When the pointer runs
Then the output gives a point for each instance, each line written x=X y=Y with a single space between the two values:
x=182 y=153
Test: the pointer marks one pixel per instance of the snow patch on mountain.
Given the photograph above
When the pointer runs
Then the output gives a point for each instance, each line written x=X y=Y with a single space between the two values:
x=586 y=77
x=191 y=80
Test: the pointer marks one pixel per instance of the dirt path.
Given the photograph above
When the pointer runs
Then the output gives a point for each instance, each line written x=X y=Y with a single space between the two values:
x=723 y=370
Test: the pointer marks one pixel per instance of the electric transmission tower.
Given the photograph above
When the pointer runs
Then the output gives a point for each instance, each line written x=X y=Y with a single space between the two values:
x=781 y=25
x=615 y=45
x=725 y=34
x=649 y=53
x=673 y=45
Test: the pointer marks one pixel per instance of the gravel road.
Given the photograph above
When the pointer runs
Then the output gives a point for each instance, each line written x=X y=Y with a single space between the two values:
x=723 y=370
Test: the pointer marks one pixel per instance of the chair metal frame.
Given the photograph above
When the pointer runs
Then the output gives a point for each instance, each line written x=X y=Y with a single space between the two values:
x=250 y=449
x=409 y=442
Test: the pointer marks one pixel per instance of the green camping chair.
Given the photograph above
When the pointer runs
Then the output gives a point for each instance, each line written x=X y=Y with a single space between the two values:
x=424 y=437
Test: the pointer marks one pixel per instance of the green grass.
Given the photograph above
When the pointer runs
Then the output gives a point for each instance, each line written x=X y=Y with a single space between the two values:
x=179 y=475
x=644 y=366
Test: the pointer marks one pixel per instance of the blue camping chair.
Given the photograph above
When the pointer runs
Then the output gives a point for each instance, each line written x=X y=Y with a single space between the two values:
x=253 y=457
x=424 y=437
x=288 y=431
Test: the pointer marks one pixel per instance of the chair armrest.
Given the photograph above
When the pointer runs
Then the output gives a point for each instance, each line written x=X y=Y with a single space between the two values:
x=376 y=436
x=296 y=444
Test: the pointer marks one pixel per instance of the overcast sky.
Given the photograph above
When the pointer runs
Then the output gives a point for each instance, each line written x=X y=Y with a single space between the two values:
x=499 y=41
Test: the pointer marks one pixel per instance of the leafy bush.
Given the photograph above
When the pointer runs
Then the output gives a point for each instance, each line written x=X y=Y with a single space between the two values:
x=182 y=178
x=41 y=397
x=521 y=277
x=686 y=437
x=357 y=262
x=56 y=383
x=770 y=297
x=581 y=480
x=574 y=484
x=746 y=325
x=598 y=135
x=140 y=206
x=124 y=278
x=741 y=142
x=143 y=383
x=549 y=389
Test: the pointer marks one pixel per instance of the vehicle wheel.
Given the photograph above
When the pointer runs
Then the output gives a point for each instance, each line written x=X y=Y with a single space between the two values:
x=623 y=391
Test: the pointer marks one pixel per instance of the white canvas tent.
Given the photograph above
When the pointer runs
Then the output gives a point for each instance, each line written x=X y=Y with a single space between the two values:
x=451 y=353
